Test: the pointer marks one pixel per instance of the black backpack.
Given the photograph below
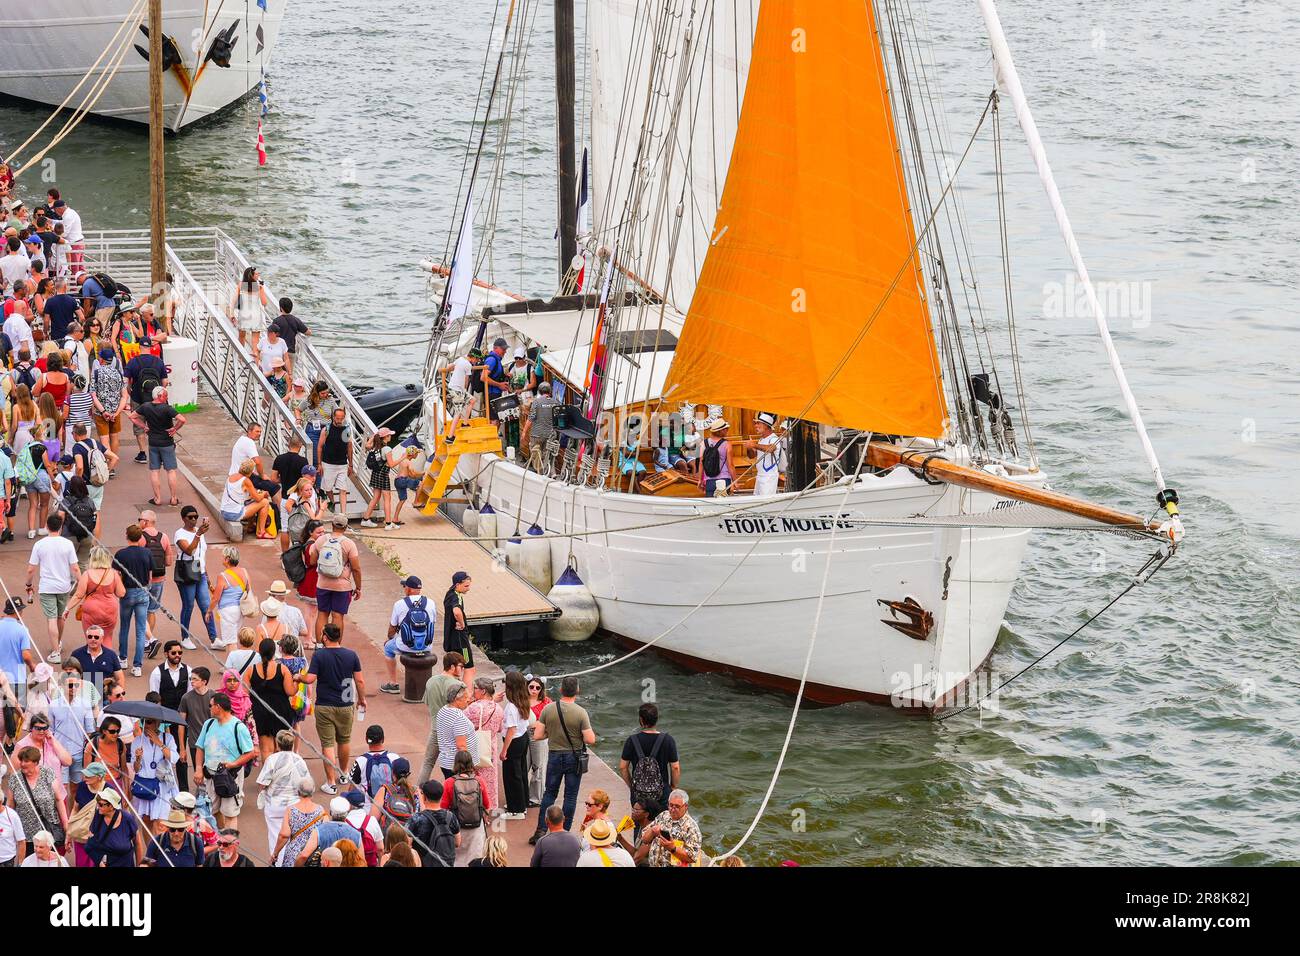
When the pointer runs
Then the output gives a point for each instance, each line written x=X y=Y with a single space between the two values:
x=293 y=563
x=157 y=553
x=149 y=379
x=436 y=830
x=103 y=280
x=712 y=458
x=25 y=375
x=82 y=513
x=647 y=774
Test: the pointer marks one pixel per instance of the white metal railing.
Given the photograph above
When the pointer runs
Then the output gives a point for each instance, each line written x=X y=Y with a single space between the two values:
x=206 y=267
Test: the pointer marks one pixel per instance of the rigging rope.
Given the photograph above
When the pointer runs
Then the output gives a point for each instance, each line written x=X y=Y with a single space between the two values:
x=1144 y=574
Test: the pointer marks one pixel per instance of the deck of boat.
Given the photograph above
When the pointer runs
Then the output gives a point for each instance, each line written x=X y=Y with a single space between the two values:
x=499 y=596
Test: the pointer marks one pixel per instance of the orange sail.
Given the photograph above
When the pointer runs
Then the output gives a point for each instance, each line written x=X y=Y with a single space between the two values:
x=810 y=302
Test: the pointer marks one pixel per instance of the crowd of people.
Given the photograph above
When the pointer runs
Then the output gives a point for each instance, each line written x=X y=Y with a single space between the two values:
x=107 y=765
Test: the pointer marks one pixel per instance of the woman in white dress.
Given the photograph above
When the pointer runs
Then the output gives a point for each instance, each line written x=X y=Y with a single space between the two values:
x=155 y=760
x=247 y=308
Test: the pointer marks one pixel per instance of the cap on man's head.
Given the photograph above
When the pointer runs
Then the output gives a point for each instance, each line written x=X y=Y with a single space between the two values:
x=520 y=353
x=500 y=344
x=374 y=734
x=309 y=471
x=13 y=605
x=60 y=204
x=459 y=577
x=106 y=352
x=339 y=807
x=355 y=798
x=412 y=582
x=339 y=520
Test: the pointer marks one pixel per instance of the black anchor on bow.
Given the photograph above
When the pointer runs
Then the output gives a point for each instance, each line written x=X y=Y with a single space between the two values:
x=171 y=53
x=223 y=46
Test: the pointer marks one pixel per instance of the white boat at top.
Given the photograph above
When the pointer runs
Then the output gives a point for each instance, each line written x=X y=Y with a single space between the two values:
x=767 y=235
x=216 y=52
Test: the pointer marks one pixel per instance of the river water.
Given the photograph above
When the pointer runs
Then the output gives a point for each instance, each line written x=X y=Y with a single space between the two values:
x=1163 y=734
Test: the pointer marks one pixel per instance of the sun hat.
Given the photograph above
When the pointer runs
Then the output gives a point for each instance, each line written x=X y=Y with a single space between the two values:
x=599 y=833
x=271 y=607
x=717 y=425
x=94 y=769
x=767 y=418
x=520 y=353
x=110 y=796
x=177 y=820
x=184 y=801
x=277 y=587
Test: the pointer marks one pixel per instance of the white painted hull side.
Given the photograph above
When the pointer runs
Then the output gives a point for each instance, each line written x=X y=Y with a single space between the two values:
x=759 y=622
x=47 y=47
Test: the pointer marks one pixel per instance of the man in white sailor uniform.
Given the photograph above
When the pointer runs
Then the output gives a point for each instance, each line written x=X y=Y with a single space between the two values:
x=768 y=448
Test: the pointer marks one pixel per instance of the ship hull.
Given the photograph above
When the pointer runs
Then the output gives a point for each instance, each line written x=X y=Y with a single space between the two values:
x=46 y=49
x=742 y=593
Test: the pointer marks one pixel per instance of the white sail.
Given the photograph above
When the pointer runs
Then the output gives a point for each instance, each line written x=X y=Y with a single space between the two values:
x=460 y=284
x=624 y=37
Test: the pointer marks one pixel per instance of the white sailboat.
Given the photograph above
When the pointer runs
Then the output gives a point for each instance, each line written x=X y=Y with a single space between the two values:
x=216 y=53
x=765 y=239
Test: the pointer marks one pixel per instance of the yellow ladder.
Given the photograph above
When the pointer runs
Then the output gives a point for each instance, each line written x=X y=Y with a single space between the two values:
x=473 y=437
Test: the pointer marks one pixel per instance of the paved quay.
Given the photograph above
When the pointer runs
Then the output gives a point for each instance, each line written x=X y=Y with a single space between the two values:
x=204 y=454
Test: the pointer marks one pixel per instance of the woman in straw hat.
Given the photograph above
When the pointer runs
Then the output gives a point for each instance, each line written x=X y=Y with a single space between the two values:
x=715 y=459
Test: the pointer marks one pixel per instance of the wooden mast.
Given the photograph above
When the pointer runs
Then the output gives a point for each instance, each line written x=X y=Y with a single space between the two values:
x=566 y=158
x=157 y=184
x=880 y=455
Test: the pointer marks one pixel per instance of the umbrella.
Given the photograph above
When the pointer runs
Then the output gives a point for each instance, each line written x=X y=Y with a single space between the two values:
x=145 y=710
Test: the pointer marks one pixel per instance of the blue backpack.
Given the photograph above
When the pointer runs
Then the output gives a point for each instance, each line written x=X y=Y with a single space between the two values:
x=379 y=772
x=415 y=627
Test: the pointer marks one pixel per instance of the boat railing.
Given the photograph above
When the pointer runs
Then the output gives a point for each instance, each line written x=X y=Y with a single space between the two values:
x=206 y=266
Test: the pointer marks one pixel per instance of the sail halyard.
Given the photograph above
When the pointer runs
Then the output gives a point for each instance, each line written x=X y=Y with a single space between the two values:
x=809 y=240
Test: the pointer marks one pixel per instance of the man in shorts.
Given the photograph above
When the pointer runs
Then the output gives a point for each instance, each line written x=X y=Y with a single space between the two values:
x=56 y=558
x=395 y=644
x=162 y=422
x=335 y=594
x=340 y=702
x=223 y=743
x=334 y=450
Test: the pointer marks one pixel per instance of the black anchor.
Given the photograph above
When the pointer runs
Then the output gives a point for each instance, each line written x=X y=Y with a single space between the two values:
x=223 y=46
x=171 y=54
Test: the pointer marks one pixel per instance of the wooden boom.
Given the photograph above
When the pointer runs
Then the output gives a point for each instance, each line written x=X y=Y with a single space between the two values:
x=880 y=455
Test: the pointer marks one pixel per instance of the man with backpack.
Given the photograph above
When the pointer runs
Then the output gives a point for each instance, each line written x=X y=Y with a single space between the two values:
x=338 y=575
x=435 y=833
x=92 y=462
x=650 y=766
x=25 y=371
x=97 y=293
x=373 y=770
x=410 y=630
x=144 y=375
x=161 y=556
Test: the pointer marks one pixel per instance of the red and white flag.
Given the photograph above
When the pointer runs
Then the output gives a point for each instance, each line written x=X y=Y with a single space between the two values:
x=261 y=146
